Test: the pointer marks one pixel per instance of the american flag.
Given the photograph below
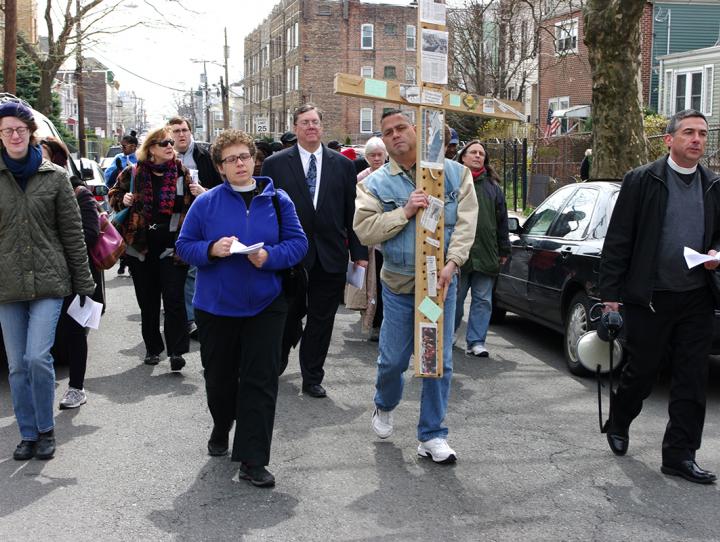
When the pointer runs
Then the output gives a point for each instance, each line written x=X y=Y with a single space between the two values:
x=551 y=123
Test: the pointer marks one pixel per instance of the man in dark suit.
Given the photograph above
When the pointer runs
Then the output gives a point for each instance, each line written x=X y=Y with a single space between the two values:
x=321 y=183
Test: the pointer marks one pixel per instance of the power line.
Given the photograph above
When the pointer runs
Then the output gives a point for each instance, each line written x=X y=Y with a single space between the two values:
x=138 y=75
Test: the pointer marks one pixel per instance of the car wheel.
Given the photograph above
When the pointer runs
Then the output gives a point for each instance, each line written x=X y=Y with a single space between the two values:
x=577 y=322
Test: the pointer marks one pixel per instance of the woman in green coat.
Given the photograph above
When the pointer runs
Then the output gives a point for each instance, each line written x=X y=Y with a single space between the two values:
x=42 y=259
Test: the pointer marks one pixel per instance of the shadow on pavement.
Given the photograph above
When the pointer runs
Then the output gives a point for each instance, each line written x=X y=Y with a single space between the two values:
x=220 y=507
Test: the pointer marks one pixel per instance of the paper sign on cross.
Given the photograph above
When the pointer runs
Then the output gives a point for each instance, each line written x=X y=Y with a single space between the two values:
x=431 y=99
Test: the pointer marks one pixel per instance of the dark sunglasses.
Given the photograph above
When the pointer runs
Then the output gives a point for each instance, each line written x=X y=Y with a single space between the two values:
x=165 y=142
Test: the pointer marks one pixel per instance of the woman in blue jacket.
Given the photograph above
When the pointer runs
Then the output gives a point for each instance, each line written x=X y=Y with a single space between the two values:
x=239 y=305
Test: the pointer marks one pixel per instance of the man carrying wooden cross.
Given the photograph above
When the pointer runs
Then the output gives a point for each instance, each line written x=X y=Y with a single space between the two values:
x=385 y=208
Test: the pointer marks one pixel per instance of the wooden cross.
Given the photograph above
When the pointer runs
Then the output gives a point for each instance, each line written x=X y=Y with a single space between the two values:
x=428 y=99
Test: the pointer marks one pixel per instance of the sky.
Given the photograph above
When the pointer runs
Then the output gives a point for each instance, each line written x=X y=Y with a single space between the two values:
x=148 y=61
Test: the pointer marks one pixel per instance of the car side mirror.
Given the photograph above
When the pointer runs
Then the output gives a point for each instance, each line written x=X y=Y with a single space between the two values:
x=513 y=225
x=98 y=189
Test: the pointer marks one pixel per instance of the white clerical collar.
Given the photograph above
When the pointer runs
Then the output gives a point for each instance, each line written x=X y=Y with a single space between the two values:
x=680 y=169
x=245 y=188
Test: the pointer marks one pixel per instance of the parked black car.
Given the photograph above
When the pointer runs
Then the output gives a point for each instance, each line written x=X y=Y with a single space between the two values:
x=552 y=274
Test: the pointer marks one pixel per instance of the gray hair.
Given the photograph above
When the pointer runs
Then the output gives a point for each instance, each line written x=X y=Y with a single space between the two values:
x=680 y=115
x=375 y=144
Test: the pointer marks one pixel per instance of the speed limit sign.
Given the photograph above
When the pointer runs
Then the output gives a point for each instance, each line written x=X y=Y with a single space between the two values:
x=261 y=125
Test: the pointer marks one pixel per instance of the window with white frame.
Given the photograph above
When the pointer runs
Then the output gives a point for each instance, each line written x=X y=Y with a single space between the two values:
x=566 y=37
x=366 y=36
x=297 y=77
x=366 y=71
x=689 y=88
x=410 y=75
x=410 y=37
x=366 y=120
x=559 y=102
x=297 y=34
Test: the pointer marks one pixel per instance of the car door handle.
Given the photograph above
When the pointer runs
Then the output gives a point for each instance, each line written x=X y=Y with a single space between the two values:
x=566 y=251
x=528 y=247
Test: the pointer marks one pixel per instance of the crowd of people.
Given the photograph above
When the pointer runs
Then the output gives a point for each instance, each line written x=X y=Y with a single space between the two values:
x=249 y=241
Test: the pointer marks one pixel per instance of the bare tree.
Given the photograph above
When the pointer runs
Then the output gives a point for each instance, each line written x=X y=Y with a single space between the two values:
x=63 y=40
x=612 y=36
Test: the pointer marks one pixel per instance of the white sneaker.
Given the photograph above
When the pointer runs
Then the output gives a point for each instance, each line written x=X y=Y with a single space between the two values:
x=455 y=338
x=73 y=398
x=478 y=350
x=438 y=450
x=382 y=422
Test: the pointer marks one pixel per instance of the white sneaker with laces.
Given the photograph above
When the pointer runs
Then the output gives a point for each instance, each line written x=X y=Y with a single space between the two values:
x=382 y=422
x=73 y=398
x=478 y=350
x=438 y=450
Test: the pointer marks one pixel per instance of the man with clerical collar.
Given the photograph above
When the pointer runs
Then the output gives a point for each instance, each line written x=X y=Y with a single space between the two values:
x=662 y=208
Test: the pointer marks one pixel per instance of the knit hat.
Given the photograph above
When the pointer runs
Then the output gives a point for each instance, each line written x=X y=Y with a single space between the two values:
x=16 y=109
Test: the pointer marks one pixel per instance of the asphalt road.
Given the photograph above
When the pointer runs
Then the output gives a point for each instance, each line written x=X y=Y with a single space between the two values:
x=132 y=463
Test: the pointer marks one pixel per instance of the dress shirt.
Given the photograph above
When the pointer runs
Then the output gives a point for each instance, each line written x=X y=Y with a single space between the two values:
x=305 y=158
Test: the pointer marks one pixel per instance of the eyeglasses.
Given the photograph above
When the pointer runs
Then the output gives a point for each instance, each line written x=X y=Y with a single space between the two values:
x=230 y=160
x=22 y=131
x=181 y=131
x=165 y=142
x=306 y=123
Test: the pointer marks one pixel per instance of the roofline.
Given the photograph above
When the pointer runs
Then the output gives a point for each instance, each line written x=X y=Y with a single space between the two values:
x=692 y=54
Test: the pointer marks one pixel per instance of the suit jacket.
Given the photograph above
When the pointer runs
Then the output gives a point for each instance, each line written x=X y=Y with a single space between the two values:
x=329 y=227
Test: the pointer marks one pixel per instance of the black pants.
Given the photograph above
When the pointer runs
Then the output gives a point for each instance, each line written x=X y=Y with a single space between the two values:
x=378 y=318
x=241 y=358
x=154 y=279
x=70 y=346
x=680 y=330
x=325 y=292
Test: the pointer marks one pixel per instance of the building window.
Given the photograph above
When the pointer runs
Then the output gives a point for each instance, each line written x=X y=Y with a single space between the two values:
x=389 y=72
x=557 y=125
x=410 y=75
x=390 y=29
x=366 y=120
x=366 y=36
x=410 y=37
x=691 y=88
x=297 y=34
x=366 y=71
x=297 y=77
x=566 y=37
x=292 y=36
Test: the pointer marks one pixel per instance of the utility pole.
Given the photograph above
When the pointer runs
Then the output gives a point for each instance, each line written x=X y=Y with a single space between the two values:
x=10 y=54
x=226 y=89
x=79 y=84
x=207 y=104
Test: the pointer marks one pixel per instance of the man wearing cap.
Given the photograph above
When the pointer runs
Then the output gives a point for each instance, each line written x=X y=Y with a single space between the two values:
x=451 y=148
x=288 y=139
x=663 y=207
x=321 y=184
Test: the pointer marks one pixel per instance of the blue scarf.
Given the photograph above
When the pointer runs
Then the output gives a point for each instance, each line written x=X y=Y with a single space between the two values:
x=23 y=169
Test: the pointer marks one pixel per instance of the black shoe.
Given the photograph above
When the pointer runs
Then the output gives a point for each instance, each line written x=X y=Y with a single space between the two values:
x=152 y=359
x=218 y=443
x=45 y=448
x=257 y=476
x=689 y=470
x=314 y=390
x=618 y=443
x=176 y=363
x=25 y=450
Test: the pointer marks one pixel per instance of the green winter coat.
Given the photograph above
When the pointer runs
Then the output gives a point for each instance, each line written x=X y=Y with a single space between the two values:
x=491 y=233
x=42 y=247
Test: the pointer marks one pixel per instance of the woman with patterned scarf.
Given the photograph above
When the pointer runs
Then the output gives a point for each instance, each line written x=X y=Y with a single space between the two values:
x=158 y=201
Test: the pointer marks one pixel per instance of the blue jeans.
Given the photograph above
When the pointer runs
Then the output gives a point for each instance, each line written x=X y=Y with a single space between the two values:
x=396 y=347
x=481 y=286
x=29 y=332
x=190 y=292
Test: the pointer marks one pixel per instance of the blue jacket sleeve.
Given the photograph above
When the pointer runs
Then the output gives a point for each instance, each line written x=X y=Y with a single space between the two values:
x=191 y=246
x=293 y=244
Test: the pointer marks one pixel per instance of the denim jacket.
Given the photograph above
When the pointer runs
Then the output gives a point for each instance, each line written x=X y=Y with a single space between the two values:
x=380 y=218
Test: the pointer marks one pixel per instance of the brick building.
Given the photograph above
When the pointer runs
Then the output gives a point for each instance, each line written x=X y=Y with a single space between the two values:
x=294 y=54
x=26 y=22
x=565 y=78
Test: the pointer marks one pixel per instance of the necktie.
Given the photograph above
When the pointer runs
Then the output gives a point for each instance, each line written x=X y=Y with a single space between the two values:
x=311 y=175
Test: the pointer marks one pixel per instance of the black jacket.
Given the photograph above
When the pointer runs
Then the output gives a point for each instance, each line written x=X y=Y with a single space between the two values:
x=629 y=254
x=329 y=227
x=209 y=176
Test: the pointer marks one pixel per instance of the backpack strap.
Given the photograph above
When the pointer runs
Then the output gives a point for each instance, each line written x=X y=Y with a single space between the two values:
x=276 y=204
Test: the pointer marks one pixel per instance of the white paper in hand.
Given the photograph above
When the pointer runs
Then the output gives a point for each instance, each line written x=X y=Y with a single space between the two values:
x=355 y=275
x=238 y=248
x=693 y=258
x=87 y=316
